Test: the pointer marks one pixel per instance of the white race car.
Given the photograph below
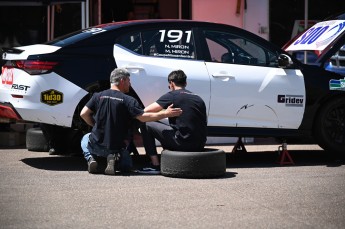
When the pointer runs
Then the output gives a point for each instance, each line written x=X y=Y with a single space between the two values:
x=250 y=86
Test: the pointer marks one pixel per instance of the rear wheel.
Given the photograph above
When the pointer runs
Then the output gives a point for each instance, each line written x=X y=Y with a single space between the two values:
x=330 y=126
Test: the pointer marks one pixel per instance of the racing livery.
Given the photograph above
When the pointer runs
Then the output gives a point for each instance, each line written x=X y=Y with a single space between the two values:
x=250 y=86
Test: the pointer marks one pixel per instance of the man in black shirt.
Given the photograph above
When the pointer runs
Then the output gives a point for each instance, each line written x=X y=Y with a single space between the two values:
x=110 y=112
x=186 y=132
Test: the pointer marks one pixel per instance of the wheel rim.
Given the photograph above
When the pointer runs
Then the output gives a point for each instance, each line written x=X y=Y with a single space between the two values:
x=335 y=124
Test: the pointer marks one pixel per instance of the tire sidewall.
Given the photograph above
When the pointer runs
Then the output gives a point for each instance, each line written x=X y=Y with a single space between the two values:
x=320 y=131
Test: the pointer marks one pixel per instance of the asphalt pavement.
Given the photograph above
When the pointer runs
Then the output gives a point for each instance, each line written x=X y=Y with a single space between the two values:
x=53 y=191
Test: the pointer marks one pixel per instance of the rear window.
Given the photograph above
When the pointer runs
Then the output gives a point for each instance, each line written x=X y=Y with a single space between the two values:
x=75 y=37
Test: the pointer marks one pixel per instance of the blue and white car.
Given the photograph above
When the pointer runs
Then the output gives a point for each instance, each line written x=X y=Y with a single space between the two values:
x=250 y=86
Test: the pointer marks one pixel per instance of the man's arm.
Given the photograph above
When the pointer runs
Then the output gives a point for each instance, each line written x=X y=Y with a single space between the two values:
x=87 y=115
x=155 y=116
x=153 y=107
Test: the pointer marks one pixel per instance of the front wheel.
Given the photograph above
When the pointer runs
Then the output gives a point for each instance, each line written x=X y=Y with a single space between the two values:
x=330 y=126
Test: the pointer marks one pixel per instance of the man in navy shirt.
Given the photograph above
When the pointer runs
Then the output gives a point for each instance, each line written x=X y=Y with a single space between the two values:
x=110 y=112
x=186 y=132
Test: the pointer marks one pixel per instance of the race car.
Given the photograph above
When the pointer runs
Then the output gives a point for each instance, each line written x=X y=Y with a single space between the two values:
x=250 y=86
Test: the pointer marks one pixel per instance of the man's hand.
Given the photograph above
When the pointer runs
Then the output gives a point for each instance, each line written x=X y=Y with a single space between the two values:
x=172 y=112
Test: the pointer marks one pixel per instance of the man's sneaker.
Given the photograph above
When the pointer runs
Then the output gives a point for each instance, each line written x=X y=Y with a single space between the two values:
x=110 y=170
x=152 y=169
x=92 y=165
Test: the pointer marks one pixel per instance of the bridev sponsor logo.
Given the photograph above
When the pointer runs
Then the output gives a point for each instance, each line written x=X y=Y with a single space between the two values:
x=291 y=100
x=337 y=84
x=51 y=97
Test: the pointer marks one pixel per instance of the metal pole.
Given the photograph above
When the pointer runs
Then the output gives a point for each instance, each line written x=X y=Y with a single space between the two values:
x=83 y=19
x=305 y=24
x=48 y=22
x=180 y=9
x=52 y=23
x=99 y=11
x=87 y=14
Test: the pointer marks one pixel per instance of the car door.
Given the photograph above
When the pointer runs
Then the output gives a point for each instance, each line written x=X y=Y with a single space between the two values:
x=151 y=54
x=248 y=89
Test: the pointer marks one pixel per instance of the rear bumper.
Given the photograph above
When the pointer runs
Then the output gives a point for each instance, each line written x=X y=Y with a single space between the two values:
x=7 y=111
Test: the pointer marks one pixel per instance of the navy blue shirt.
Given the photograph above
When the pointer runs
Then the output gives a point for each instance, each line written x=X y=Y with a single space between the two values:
x=113 y=112
x=191 y=125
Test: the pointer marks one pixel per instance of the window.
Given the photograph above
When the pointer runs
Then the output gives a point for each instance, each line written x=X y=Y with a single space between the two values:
x=160 y=43
x=169 y=43
x=131 y=41
x=233 y=49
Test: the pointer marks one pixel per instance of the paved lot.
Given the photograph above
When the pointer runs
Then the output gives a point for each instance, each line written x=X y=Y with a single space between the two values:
x=42 y=191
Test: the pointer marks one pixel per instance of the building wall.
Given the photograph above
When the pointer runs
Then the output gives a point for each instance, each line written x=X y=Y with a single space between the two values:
x=252 y=15
x=220 y=11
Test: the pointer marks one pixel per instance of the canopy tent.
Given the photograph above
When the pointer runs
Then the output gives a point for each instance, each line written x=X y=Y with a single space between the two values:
x=85 y=5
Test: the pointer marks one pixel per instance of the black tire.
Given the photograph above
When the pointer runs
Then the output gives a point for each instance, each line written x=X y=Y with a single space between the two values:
x=35 y=140
x=209 y=163
x=330 y=126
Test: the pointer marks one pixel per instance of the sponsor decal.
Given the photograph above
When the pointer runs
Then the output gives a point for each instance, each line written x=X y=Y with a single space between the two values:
x=7 y=76
x=20 y=87
x=94 y=30
x=52 y=97
x=319 y=36
x=291 y=100
x=337 y=84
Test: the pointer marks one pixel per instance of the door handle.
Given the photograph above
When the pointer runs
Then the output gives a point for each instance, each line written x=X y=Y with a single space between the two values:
x=222 y=75
x=133 y=67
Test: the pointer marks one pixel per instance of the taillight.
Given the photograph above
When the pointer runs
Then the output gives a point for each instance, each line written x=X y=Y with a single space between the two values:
x=34 y=67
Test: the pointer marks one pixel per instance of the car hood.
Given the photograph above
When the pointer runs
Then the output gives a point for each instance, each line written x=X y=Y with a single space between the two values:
x=319 y=37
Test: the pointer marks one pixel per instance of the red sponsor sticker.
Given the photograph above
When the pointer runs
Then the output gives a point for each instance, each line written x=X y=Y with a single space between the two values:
x=7 y=76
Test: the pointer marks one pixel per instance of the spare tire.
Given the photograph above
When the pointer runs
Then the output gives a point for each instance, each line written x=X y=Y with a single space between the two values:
x=35 y=140
x=209 y=163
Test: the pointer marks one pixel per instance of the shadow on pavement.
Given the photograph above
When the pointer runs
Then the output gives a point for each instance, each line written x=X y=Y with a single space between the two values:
x=233 y=160
x=271 y=159
x=57 y=163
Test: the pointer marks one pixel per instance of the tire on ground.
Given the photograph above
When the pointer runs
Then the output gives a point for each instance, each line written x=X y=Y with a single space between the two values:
x=209 y=163
x=35 y=140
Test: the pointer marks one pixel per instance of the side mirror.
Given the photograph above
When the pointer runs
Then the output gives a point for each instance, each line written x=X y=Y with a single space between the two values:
x=284 y=61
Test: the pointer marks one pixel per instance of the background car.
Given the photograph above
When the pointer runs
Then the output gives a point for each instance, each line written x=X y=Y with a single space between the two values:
x=250 y=86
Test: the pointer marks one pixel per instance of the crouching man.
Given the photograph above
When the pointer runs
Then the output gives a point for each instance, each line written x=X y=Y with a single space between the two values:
x=110 y=112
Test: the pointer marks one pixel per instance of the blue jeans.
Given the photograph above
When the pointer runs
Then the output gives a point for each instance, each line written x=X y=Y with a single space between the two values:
x=84 y=143
x=97 y=150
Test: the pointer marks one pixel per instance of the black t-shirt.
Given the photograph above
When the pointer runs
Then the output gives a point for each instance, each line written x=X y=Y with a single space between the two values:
x=191 y=125
x=113 y=112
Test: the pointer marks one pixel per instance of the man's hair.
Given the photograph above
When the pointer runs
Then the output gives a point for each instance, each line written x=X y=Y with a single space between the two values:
x=178 y=77
x=117 y=74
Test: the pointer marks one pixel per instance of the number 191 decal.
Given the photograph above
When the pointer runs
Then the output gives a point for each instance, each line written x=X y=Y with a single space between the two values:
x=174 y=35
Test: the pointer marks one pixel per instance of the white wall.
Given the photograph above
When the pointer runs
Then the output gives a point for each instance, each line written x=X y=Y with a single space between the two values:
x=255 y=18
x=220 y=11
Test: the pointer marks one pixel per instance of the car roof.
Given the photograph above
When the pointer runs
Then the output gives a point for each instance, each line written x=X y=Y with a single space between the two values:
x=86 y=33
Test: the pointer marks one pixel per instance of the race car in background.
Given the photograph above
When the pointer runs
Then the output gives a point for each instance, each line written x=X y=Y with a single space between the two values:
x=250 y=86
